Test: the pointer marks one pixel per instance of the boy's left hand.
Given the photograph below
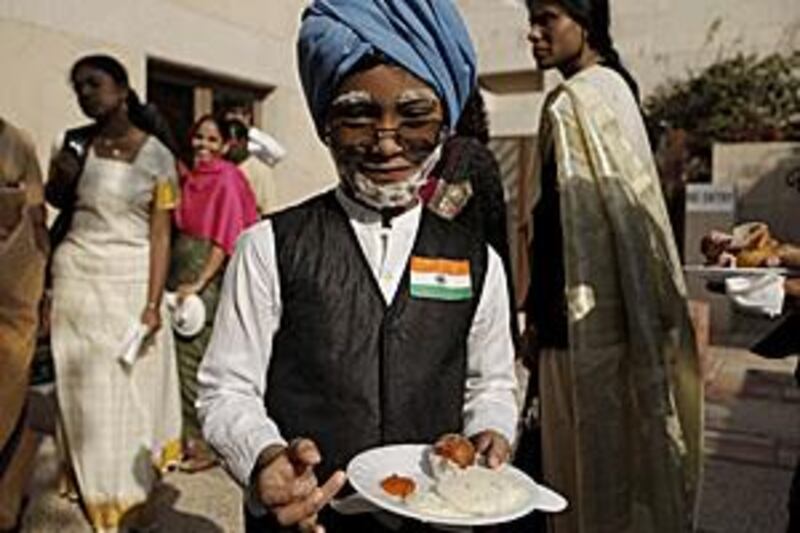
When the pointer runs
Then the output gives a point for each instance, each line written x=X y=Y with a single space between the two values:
x=493 y=446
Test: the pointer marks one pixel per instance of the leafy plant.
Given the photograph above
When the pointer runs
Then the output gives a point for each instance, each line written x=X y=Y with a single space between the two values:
x=742 y=98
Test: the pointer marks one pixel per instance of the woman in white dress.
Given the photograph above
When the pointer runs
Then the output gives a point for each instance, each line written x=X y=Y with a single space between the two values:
x=121 y=422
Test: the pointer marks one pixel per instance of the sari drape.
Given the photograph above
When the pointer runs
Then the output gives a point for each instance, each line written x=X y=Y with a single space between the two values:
x=22 y=263
x=635 y=394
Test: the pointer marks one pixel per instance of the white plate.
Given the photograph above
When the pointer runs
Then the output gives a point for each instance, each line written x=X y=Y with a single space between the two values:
x=189 y=317
x=366 y=471
x=718 y=273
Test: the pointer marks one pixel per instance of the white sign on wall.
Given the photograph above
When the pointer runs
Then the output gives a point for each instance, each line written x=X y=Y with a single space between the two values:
x=707 y=198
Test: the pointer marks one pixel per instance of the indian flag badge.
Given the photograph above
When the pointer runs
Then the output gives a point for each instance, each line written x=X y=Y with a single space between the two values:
x=440 y=279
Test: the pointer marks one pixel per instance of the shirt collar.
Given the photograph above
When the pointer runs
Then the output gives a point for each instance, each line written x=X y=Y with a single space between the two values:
x=367 y=216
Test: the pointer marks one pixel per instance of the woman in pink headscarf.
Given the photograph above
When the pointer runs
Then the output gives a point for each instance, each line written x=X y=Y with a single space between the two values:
x=216 y=205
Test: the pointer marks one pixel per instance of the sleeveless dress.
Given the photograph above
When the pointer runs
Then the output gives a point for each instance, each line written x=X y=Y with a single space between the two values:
x=122 y=425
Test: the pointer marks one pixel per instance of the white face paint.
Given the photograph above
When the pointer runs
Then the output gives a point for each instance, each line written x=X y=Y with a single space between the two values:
x=414 y=95
x=393 y=194
x=351 y=98
x=384 y=132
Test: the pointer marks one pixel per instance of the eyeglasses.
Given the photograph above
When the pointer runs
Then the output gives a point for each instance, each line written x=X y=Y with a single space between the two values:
x=410 y=134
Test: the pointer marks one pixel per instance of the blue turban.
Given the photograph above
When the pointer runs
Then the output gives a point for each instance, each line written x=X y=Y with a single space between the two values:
x=426 y=37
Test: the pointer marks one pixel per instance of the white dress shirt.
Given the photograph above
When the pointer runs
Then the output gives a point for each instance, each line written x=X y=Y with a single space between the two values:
x=233 y=374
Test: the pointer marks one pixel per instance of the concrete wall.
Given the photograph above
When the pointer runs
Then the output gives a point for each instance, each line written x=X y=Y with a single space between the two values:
x=661 y=39
x=40 y=39
x=499 y=30
x=658 y=39
x=253 y=40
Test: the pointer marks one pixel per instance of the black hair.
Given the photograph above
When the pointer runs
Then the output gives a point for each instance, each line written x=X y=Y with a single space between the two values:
x=234 y=128
x=595 y=17
x=599 y=27
x=221 y=124
x=474 y=120
x=146 y=117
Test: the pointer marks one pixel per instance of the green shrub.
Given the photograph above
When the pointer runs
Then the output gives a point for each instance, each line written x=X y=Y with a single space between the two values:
x=740 y=99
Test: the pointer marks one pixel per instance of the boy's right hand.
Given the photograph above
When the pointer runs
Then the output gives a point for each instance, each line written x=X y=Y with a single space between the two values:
x=288 y=488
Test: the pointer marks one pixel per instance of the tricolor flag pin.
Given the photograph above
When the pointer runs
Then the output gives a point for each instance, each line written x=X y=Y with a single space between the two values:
x=440 y=279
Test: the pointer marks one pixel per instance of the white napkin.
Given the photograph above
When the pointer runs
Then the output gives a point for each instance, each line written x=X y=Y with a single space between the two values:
x=762 y=294
x=265 y=147
x=131 y=344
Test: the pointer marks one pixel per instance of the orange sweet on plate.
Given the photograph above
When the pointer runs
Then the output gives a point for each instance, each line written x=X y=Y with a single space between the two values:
x=457 y=449
x=399 y=485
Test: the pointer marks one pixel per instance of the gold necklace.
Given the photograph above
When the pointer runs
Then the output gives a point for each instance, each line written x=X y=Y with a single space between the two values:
x=111 y=145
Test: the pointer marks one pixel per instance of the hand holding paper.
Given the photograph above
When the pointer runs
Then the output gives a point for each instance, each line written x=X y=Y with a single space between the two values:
x=132 y=344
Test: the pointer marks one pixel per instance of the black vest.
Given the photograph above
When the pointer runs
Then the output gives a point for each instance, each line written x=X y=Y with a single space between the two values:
x=349 y=371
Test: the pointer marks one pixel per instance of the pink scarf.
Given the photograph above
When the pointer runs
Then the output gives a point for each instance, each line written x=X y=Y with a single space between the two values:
x=216 y=203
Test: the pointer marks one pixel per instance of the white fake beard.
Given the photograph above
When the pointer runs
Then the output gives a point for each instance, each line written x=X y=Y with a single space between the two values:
x=389 y=195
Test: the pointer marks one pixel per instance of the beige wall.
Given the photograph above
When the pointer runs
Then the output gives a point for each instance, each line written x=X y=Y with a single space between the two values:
x=253 y=40
x=662 y=39
x=36 y=94
x=40 y=39
x=498 y=29
x=658 y=39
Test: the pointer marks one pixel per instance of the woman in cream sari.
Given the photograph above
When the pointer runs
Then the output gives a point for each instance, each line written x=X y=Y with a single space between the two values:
x=121 y=421
x=619 y=379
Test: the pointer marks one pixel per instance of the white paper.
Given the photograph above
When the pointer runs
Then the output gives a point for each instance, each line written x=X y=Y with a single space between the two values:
x=132 y=343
